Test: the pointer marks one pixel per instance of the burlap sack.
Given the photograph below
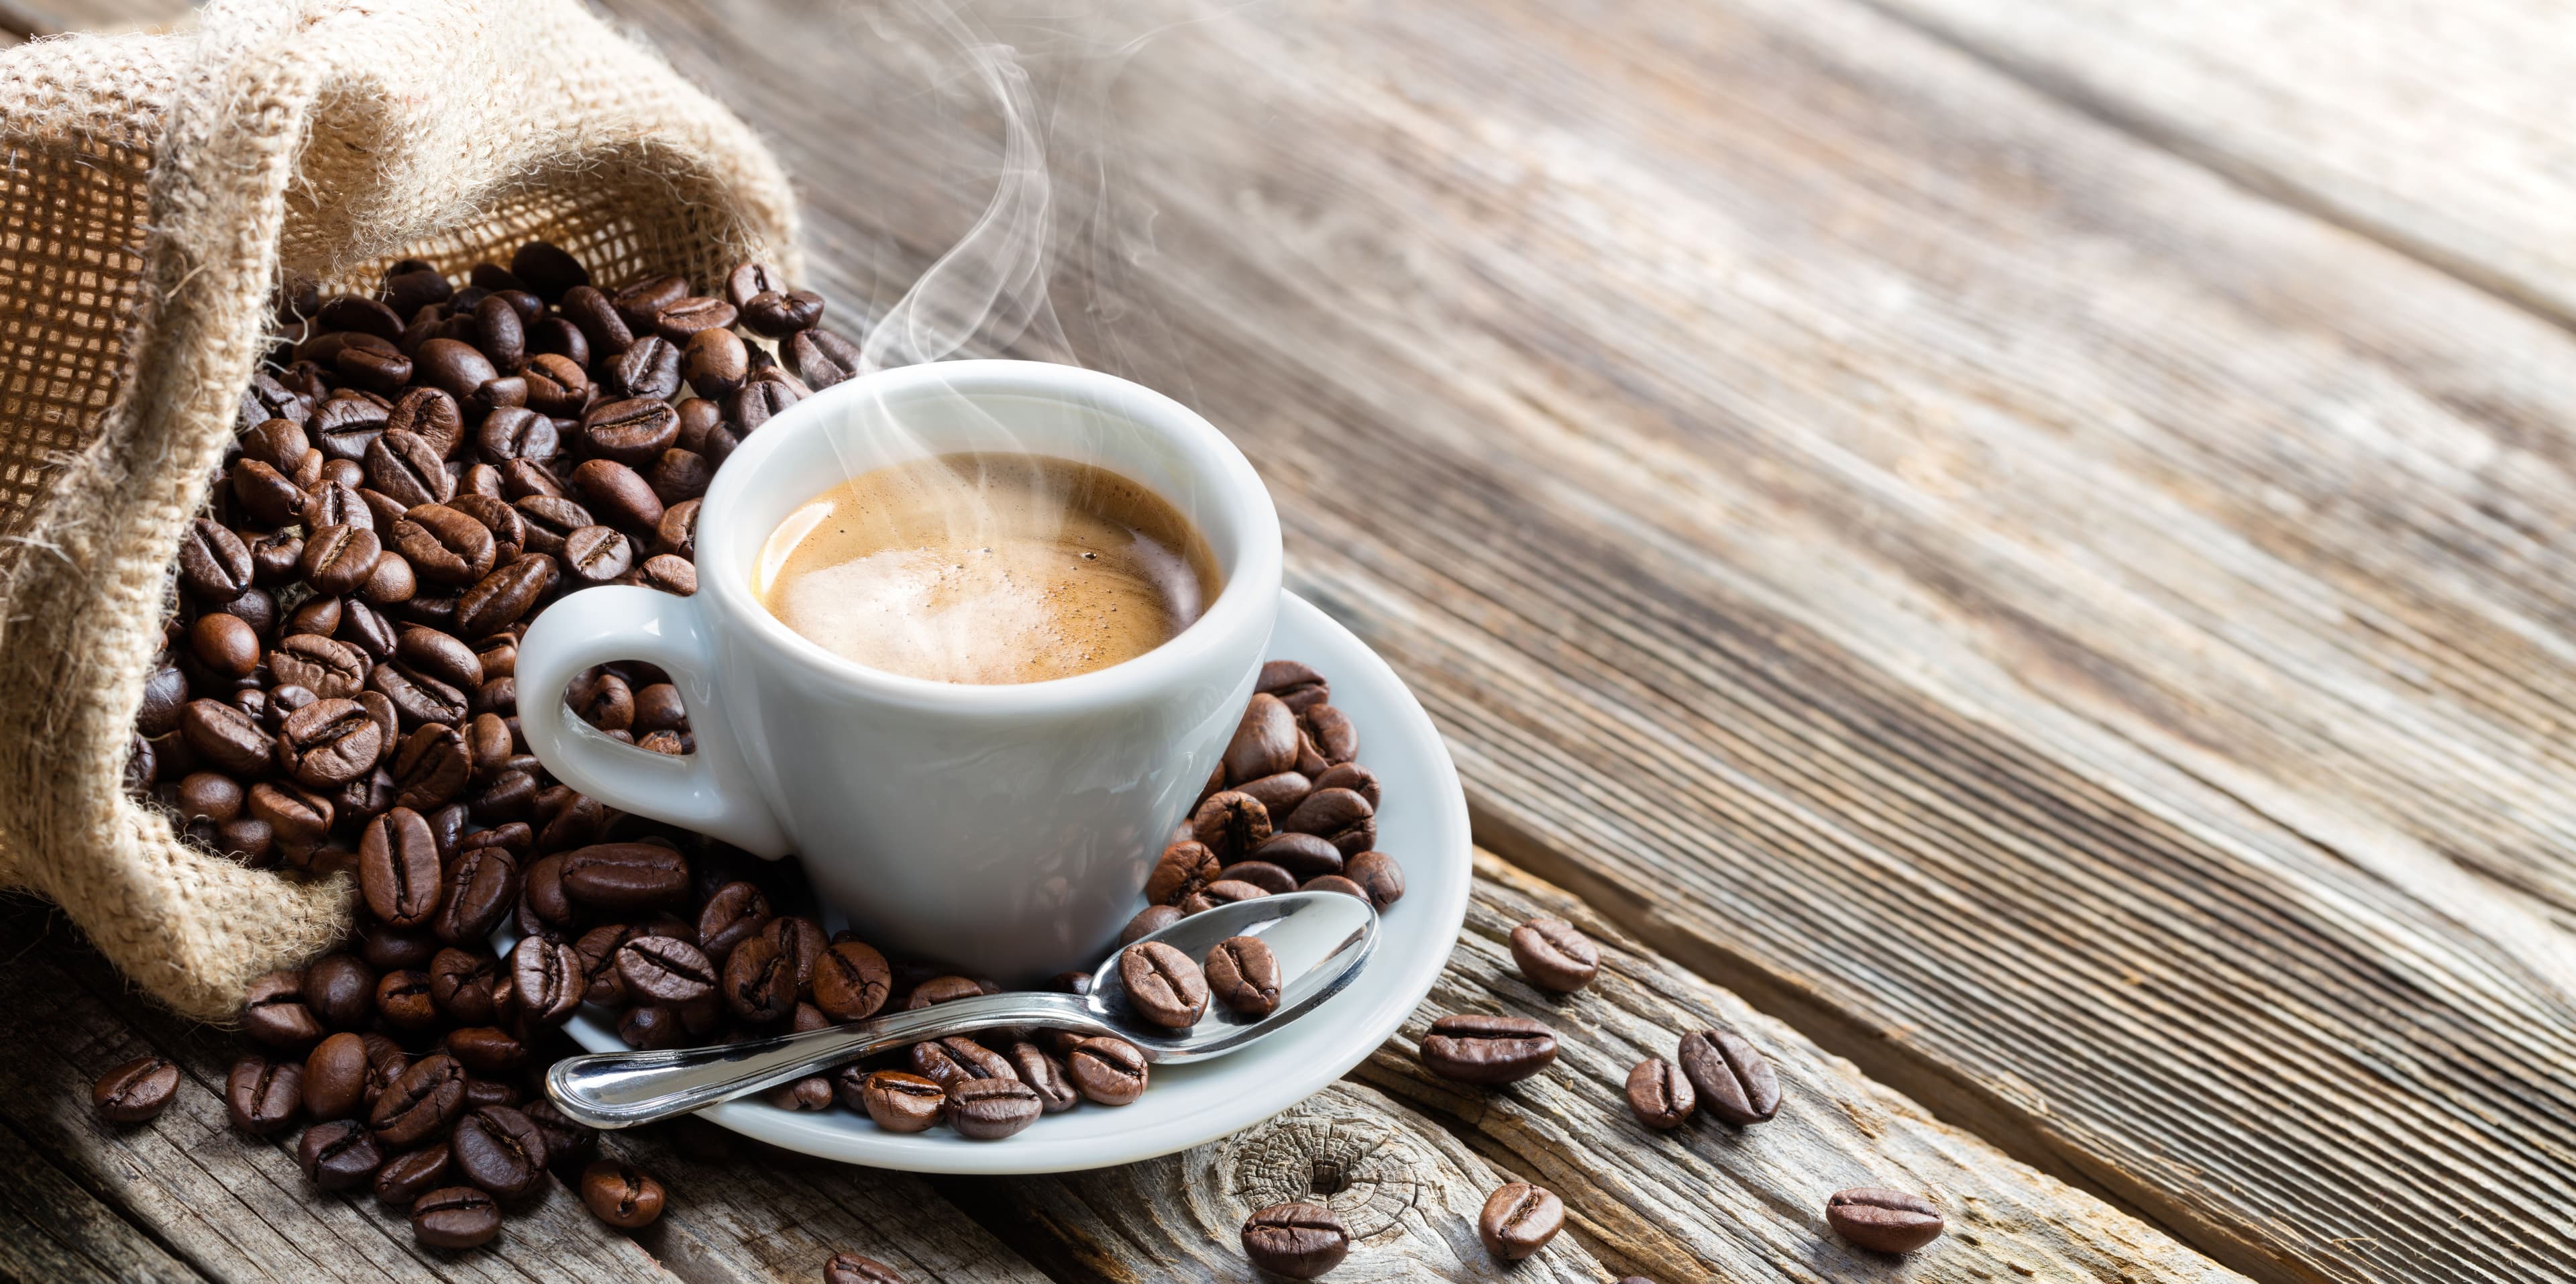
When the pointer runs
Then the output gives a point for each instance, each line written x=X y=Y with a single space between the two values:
x=156 y=188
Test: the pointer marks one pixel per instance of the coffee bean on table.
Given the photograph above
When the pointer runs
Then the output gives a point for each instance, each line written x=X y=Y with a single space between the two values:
x=621 y=1194
x=461 y=985
x=546 y=980
x=1519 y=1220
x=1553 y=955
x=486 y=1050
x=660 y=969
x=991 y=1109
x=498 y=1149
x=850 y=1268
x=1300 y=1241
x=1111 y=1072
x=273 y=1012
x=135 y=1091
x=261 y=1096
x=1659 y=1094
x=455 y=1216
x=1163 y=985
x=1244 y=975
x=421 y=1103
x=398 y=868
x=407 y=1176
x=339 y=1154
x=1887 y=1221
x=1472 y=1048
x=1734 y=1080
x=335 y=1078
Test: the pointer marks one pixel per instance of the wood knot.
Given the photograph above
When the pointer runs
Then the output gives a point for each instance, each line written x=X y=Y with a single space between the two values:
x=1333 y=1151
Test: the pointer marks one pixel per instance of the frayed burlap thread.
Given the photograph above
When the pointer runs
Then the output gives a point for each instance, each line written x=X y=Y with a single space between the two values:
x=156 y=188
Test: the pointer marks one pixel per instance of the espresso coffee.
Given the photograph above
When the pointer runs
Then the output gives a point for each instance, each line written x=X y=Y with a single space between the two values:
x=987 y=569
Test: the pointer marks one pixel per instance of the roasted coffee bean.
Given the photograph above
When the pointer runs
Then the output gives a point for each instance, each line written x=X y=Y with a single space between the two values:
x=591 y=312
x=480 y=888
x=273 y=1012
x=165 y=696
x=546 y=980
x=336 y=504
x=1265 y=742
x=261 y=1096
x=820 y=357
x=1220 y=892
x=800 y=940
x=270 y=497
x=639 y=303
x=648 y=368
x=597 y=555
x=225 y=644
x=676 y=533
x=901 y=1102
x=1885 y=1221
x=1152 y=919
x=1734 y=1080
x=391 y=582
x=548 y=271
x=319 y=616
x=398 y=868
x=461 y=983
x=1044 y=1075
x=339 y=1154
x=499 y=333
x=632 y=431
x=276 y=559
x=444 y=545
x=329 y=743
x=452 y=366
x=811 y=1093
x=1519 y=1220
x=1299 y=1241
x=660 y=969
x=366 y=628
x=500 y=598
x=1338 y=816
x=498 y=1149
x=1552 y=954
x=776 y=314
x=1659 y=1094
x=214 y=564
x=598 y=949
x=330 y=669
x=1163 y=986
x=1111 y=1072
x=850 y=1268
x=684 y=319
x=669 y=574
x=340 y=990
x=1243 y=974
x=732 y=914
x=715 y=362
x=359 y=313
x=226 y=738
x=941 y=989
x=337 y=559
x=136 y=1091
x=851 y=981
x=1232 y=825
x=759 y=981
x=547 y=520
x=1184 y=868
x=142 y=765
x=343 y=427
x=421 y=1103
x=205 y=795
x=623 y=878
x=382 y=373
x=404 y=1000
x=1261 y=874
x=455 y=1217
x=388 y=949
x=278 y=443
x=618 y=494
x=650 y=1028
x=756 y=403
x=621 y=1194
x=431 y=415
x=1333 y=733
x=299 y=818
x=1296 y=685
x=1304 y=856
x=406 y=1177
x=431 y=767
x=1280 y=792
x=991 y=1109
x=1472 y=1048
x=956 y=1059
x=406 y=467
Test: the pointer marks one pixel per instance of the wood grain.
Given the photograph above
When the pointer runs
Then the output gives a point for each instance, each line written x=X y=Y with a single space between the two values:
x=2436 y=127
x=2084 y=641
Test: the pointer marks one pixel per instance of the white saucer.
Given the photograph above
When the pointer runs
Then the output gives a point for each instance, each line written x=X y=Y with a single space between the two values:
x=1423 y=825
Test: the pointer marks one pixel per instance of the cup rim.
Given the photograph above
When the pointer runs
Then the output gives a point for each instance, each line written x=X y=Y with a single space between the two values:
x=1252 y=575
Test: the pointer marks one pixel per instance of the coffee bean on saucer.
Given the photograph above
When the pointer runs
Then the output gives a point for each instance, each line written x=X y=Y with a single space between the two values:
x=1304 y=856
x=1244 y=975
x=398 y=868
x=850 y=1268
x=1553 y=955
x=759 y=982
x=1734 y=1080
x=1351 y=776
x=1378 y=875
x=546 y=979
x=1280 y=792
x=1887 y=1221
x=942 y=989
x=1163 y=985
x=901 y=1102
x=1659 y=1094
x=1111 y=1072
x=1184 y=868
x=1265 y=742
x=956 y=1059
x=1519 y=1220
x=621 y=1194
x=1231 y=824
x=136 y=1091
x=1262 y=874
x=800 y=941
x=1472 y=1048
x=1296 y=685
x=991 y=1109
x=1298 y=1241
x=660 y=969
x=851 y=981
x=1039 y=1069
x=1338 y=816
x=455 y=1216
x=1336 y=883
x=624 y=878
x=1154 y=918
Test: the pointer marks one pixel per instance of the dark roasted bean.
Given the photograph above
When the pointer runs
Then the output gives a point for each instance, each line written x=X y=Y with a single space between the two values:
x=340 y=990
x=901 y=1102
x=991 y=1109
x=214 y=564
x=136 y=1091
x=455 y=1217
x=261 y=1096
x=406 y=1177
x=1109 y=1071
x=1184 y=869
x=660 y=969
x=1734 y=1080
x=339 y=1154
x=546 y=980
x=759 y=981
x=1886 y=1221
x=1298 y=1241
x=1519 y=1220
x=1243 y=974
x=1659 y=1094
x=1163 y=985
x=1551 y=953
x=398 y=868
x=1487 y=1049
x=498 y=1149
x=273 y=1012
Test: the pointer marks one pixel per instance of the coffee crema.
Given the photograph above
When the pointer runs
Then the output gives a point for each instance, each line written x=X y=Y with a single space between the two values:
x=987 y=568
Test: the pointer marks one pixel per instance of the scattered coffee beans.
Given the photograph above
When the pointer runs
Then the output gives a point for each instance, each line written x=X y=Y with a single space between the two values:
x=1734 y=1081
x=1519 y=1220
x=136 y=1091
x=455 y=1217
x=1487 y=1049
x=1888 y=1221
x=1299 y=1241
x=1660 y=1095
x=1554 y=956
x=621 y=1194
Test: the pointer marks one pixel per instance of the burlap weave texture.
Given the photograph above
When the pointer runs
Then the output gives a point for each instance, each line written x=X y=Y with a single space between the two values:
x=154 y=190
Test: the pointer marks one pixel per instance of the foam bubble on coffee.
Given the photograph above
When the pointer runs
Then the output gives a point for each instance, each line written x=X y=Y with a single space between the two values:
x=987 y=568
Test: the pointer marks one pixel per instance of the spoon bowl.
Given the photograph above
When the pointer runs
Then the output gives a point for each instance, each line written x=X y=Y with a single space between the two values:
x=1321 y=940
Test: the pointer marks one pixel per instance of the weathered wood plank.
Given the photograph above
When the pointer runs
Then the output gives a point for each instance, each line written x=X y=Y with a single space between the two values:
x=51 y=1229
x=2081 y=640
x=2437 y=127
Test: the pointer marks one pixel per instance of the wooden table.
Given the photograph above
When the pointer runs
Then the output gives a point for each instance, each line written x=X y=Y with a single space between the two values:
x=2028 y=541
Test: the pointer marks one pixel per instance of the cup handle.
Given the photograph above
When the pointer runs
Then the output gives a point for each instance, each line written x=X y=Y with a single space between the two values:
x=710 y=790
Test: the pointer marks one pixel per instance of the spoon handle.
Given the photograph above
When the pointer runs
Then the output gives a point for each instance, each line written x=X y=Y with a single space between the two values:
x=623 y=1089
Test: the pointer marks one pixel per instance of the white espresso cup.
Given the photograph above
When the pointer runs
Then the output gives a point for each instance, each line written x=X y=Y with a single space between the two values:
x=1003 y=829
